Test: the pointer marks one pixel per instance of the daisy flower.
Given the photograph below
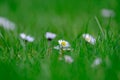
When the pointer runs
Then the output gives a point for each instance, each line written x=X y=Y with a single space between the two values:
x=89 y=38
x=63 y=45
x=26 y=37
x=68 y=59
x=107 y=13
x=96 y=62
x=7 y=24
x=49 y=36
x=23 y=35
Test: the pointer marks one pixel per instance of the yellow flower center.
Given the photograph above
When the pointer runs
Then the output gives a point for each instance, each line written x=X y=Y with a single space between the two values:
x=63 y=43
x=88 y=39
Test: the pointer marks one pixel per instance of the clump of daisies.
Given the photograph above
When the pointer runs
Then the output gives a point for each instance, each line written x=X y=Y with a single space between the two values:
x=107 y=13
x=50 y=36
x=90 y=39
x=63 y=46
x=96 y=62
x=27 y=38
x=7 y=24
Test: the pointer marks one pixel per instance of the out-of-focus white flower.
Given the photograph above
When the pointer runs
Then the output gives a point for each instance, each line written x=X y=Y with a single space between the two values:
x=64 y=44
x=23 y=35
x=29 y=39
x=68 y=59
x=7 y=24
x=107 y=13
x=96 y=62
x=50 y=35
x=26 y=37
x=89 y=38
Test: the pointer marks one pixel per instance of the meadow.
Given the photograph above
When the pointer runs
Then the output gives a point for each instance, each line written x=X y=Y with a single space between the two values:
x=69 y=20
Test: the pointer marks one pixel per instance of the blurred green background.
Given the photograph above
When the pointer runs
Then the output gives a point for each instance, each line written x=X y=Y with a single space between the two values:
x=44 y=14
x=69 y=19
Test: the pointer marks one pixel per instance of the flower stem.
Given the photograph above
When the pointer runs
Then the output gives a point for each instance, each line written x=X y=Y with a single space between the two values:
x=60 y=54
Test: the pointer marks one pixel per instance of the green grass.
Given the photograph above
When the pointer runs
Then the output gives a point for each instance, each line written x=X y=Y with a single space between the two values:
x=69 y=19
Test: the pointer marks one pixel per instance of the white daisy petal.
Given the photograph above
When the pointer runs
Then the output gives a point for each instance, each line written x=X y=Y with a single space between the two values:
x=57 y=47
x=65 y=48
